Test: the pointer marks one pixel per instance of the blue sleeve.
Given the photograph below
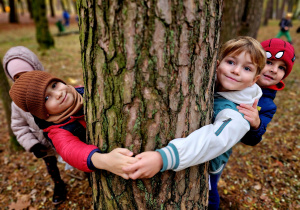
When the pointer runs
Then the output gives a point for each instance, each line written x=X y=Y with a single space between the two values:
x=89 y=159
x=253 y=137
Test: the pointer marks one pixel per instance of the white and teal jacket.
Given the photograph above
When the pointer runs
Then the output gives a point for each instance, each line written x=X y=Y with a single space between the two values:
x=212 y=140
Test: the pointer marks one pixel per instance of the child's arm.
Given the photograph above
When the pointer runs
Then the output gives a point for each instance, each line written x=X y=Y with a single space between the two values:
x=254 y=136
x=21 y=129
x=88 y=157
x=114 y=161
x=148 y=164
x=200 y=146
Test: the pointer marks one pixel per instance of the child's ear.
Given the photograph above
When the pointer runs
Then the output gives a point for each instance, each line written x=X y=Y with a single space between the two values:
x=255 y=79
x=218 y=63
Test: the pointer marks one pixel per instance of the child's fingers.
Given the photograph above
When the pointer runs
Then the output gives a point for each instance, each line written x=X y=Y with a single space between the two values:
x=131 y=168
x=125 y=151
x=135 y=175
x=255 y=104
x=124 y=176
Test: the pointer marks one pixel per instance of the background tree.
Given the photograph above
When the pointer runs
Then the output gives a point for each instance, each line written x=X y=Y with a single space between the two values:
x=43 y=35
x=21 y=6
x=149 y=76
x=268 y=12
x=6 y=103
x=2 y=5
x=13 y=15
x=240 y=18
x=29 y=8
x=281 y=12
x=52 y=12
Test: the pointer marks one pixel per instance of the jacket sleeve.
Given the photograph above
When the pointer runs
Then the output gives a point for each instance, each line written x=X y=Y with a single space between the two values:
x=253 y=137
x=21 y=128
x=75 y=152
x=205 y=143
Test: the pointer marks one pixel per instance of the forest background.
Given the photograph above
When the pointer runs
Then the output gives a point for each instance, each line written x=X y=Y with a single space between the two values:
x=262 y=177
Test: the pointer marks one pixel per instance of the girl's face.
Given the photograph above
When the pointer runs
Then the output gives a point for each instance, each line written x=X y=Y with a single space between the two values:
x=236 y=72
x=58 y=97
x=272 y=73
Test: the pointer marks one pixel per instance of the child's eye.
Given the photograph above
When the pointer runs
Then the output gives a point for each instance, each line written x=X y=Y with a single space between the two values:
x=269 y=62
x=46 y=98
x=247 y=69
x=230 y=62
x=54 y=85
x=281 y=68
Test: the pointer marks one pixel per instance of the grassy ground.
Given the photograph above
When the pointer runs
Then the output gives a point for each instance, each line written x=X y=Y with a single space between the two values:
x=261 y=177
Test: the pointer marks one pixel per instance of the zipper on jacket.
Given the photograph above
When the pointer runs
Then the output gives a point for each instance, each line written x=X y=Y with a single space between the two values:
x=225 y=122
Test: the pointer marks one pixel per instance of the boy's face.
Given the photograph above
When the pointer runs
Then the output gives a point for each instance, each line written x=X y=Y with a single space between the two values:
x=58 y=97
x=236 y=72
x=272 y=73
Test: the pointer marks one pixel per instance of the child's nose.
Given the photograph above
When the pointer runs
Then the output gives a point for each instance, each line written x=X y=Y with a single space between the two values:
x=236 y=70
x=58 y=94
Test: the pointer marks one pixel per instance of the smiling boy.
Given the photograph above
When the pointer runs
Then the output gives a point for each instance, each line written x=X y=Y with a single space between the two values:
x=240 y=63
x=58 y=110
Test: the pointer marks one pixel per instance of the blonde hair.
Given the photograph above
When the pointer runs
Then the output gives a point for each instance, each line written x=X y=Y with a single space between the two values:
x=245 y=44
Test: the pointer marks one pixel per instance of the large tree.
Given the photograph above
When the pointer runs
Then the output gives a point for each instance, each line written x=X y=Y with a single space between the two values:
x=240 y=18
x=43 y=35
x=149 y=76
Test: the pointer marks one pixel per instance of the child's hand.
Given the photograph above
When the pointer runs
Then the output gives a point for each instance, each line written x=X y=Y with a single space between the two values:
x=250 y=114
x=148 y=164
x=114 y=161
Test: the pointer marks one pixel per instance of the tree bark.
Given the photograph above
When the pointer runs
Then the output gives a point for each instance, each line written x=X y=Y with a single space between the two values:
x=52 y=12
x=282 y=8
x=251 y=18
x=3 y=5
x=43 y=35
x=268 y=12
x=149 y=76
x=240 y=18
x=290 y=5
x=13 y=15
x=29 y=8
x=6 y=102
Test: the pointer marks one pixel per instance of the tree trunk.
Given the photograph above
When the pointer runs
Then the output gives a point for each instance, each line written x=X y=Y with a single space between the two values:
x=20 y=2
x=43 y=35
x=290 y=5
x=251 y=18
x=268 y=12
x=149 y=76
x=3 y=5
x=29 y=8
x=282 y=9
x=240 y=18
x=6 y=103
x=63 y=5
x=278 y=16
x=52 y=12
x=13 y=15
x=231 y=19
x=297 y=10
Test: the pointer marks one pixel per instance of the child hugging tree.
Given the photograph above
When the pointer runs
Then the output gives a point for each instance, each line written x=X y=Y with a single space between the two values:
x=16 y=61
x=240 y=63
x=58 y=110
x=280 y=59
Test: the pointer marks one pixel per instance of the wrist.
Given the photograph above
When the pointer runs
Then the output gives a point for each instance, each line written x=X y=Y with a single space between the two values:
x=257 y=125
x=99 y=160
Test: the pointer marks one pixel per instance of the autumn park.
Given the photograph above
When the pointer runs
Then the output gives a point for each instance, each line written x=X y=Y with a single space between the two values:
x=144 y=77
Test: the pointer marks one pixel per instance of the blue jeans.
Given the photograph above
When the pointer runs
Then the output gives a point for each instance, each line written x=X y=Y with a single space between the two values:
x=214 y=198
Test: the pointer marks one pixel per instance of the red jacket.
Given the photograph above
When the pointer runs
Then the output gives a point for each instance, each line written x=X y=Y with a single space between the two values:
x=75 y=152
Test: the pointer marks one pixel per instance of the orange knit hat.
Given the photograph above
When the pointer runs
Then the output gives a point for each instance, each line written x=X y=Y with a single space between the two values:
x=28 y=92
